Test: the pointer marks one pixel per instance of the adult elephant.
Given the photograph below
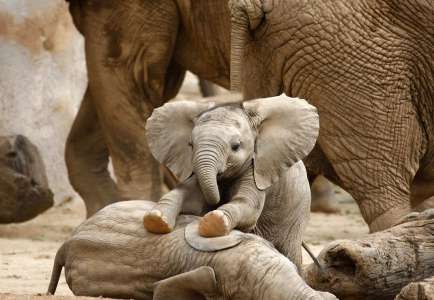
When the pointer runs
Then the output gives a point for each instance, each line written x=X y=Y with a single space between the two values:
x=367 y=65
x=137 y=53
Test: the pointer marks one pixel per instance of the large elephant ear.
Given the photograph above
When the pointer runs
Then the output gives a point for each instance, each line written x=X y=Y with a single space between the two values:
x=168 y=132
x=287 y=132
x=193 y=285
x=211 y=244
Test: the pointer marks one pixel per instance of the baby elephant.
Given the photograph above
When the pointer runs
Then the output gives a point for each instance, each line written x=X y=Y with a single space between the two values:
x=112 y=255
x=244 y=156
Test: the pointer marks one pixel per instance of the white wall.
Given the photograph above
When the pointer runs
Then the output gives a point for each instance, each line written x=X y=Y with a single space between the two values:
x=42 y=79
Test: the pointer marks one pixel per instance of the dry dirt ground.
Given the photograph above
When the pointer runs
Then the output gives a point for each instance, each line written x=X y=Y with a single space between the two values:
x=27 y=250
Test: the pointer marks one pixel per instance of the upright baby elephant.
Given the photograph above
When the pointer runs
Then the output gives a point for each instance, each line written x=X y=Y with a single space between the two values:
x=245 y=156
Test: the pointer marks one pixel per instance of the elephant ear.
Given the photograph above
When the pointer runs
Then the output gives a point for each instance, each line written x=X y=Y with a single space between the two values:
x=211 y=244
x=168 y=132
x=287 y=132
x=193 y=285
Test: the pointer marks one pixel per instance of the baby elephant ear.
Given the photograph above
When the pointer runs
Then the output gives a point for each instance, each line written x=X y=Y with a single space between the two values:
x=287 y=132
x=168 y=132
x=194 y=285
x=211 y=244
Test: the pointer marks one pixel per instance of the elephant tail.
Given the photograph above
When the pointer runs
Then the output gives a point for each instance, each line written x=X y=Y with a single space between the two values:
x=59 y=262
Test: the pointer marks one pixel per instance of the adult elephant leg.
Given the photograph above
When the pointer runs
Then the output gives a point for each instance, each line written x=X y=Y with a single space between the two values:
x=87 y=159
x=323 y=199
x=422 y=189
x=375 y=161
x=207 y=89
x=129 y=46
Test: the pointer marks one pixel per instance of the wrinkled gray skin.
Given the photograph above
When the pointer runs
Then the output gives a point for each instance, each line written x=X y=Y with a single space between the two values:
x=243 y=158
x=112 y=255
x=366 y=65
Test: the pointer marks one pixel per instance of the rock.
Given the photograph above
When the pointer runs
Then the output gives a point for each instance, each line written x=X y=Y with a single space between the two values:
x=24 y=191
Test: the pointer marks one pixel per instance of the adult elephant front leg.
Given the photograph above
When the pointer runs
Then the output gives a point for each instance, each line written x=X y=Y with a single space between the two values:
x=129 y=46
x=379 y=167
x=87 y=159
x=370 y=133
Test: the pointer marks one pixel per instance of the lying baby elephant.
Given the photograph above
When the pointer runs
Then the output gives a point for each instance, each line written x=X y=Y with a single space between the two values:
x=112 y=255
x=245 y=156
x=24 y=191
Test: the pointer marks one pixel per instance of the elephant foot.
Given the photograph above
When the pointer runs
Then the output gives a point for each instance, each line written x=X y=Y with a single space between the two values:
x=424 y=205
x=155 y=222
x=427 y=214
x=390 y=218
x=323 y=199
x=325 y=205
x=213 y=224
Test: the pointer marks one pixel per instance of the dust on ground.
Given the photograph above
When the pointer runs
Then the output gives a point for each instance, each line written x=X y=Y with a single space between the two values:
x=27 y=250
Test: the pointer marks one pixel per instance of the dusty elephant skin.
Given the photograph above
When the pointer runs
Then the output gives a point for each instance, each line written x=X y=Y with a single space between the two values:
x=131 y=70
x=24 y=191
x=359 y=63
x=112 y=255
x=366 y=65
x=243 y=159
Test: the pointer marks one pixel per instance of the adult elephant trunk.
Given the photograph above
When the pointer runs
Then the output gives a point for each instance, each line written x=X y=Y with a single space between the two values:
x=246 y=15
x=205 y=164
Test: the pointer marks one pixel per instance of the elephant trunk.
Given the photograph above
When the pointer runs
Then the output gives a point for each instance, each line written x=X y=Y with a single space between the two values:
x=205 y=164
x=246 y=15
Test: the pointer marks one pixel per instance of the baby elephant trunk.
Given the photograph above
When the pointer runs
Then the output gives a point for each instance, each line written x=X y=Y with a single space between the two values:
x=206 y=169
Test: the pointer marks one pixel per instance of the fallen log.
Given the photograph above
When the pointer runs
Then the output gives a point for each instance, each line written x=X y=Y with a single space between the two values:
x=422 y=290
x=24 y=191
x=377 y=266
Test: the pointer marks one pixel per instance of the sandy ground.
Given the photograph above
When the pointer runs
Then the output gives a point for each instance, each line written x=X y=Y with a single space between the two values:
x=27 y=250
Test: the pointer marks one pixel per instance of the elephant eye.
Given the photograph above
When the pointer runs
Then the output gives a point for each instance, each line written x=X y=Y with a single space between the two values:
x=236 y=146
x=12 y=154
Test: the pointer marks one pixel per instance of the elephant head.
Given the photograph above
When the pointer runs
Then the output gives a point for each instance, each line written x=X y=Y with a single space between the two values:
x=221 y=141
